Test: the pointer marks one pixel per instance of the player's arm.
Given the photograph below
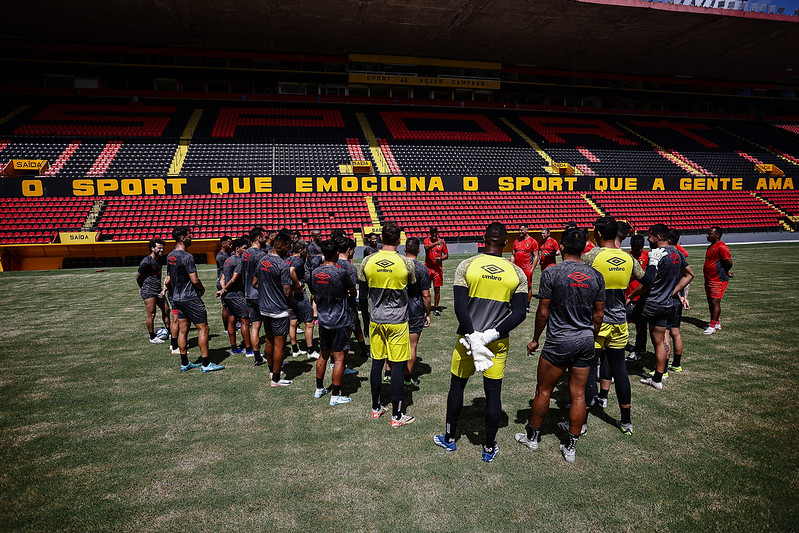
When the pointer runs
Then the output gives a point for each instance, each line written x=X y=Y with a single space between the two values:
x=295 y=280
x=541 y=318
x=255 y=282
x=167 y=282
x=726 y=264
x=140 y=279
x=598 y=315
x=535 y=258
x=198 y=285
x=461 y=295
x=223 y=290
x=687 y=276
x=429 y=245
x=426 y=303
x=444 y=251
x=518 y=312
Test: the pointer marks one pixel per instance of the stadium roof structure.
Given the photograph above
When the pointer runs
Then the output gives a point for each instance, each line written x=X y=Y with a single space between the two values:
x=629 y=37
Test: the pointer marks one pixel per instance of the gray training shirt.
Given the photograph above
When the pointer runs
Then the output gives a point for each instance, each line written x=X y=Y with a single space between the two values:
x=331 y=285
x=273 y=274
x=249 y=267
x=179 y=265
x=572 y=288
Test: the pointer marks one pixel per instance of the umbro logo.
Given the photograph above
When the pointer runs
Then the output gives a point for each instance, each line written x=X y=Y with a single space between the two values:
x=616 y=261
x=173 y=260
x=322 y=275
x=579 y=277
x=492 y=269
x=266 y=264
x=384 y=263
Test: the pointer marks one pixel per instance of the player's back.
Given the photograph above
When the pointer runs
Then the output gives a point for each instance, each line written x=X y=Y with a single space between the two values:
x=179 y=265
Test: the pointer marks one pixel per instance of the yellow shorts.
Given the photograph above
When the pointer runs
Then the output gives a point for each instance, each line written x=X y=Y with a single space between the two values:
x=390 y=341
x=463 y=365
x=612 y=336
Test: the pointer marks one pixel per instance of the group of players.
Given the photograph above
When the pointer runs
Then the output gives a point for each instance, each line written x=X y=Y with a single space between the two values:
x=585 y=304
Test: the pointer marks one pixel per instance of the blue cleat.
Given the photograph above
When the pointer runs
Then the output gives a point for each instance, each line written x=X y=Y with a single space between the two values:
x=186 y=368
x=490 y=453
x=236 y=351
x=212 y=367
x=441 y=440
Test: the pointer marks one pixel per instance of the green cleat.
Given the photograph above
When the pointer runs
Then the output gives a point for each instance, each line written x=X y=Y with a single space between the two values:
x=652 y=374
x=675 y=368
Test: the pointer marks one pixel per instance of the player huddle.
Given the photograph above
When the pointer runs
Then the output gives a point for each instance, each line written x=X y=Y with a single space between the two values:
x=585 y=304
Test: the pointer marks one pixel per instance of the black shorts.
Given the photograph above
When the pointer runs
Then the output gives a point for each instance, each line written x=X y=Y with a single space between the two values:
x=577 y=352
x=192 y=310
x=657 y=316
x=337 y=339
x=415 y=324
x=147 y=295
x=255 y=311
x=277 y=327
x=675 y=317
x=301 y=311
x=236 y=305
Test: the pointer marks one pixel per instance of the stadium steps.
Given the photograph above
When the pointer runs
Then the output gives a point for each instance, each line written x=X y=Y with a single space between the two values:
x=534 y=145
x=594 y=205
x=62 y=159
x=183 y=146
x=681 y=161
x=13 y=114
x=374 y=145
x=93 y=216
x=370 y=204
x=104 y=160
x=789 y=221
x=784 y=157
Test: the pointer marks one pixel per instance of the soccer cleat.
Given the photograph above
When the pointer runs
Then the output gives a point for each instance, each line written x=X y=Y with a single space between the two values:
x=380 y=411
x=626 y=429
x=412 y=382
x=652 y=383
x=156 y=340
x=634 y=356
x=602 y=403
x=212 y=367
x=403 y=420
x=174 y=351
x=437 y=312
x=318 y=393
x=441 y=440
x=718 y=326
x=386 y=379
x=652 y=374
x=249 y=354
x=313 y=355
x=710 y=330
x=569 y=453
x=236 y=351
x=281 y=383
x=675 y=368
x=565 y=427
x=259 y=363
x=186 y=368
x=490 y=453
x=298 y=353
x=521 y=438
x=338 y=400
x=350 y=371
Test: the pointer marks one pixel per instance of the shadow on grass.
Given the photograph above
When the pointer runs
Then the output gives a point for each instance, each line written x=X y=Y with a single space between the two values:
x=472 y=421
x=696 y=322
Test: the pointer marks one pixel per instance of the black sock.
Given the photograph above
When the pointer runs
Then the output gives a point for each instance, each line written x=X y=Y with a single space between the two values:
x=276 y=376
x=295 y=348
x=152 y=335
x=531 y=431
x=234 y=347
x=658 y=377
x=320 y=383
x=397 y=389
x=677 y=359
x=206 y=361
x=257 y=355
x=336 y=390
x=184 y=359
x=625 y=415
x=374 y=381
x=387 y=373
x=454 y=405
x=362 y=346
x=603 y=393
x=270 y=369
x=493 y=392
x=174 y=343
x=573 y=440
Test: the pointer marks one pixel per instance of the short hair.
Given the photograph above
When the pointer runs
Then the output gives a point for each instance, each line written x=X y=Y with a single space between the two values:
x=637 y=241
x=257 y=231
x=298 y=247
x=155 y=241
x=545 y=229
x=573 y=241
x=607 y=227
x=496 y=232
x=282 y=236
x=391 y=233
x=674 y=236
x=624 y=229
x=329 y=249
x=570 y=224
x=224 y=238
x=523 y=225
x=717 y=230
x=433 y=229
x=661 y=231
x=345 y=244
x=246 y=238
x=181 y=232
x=412 y=245
x=241 y=241
x=336 y=234
x=316 y=232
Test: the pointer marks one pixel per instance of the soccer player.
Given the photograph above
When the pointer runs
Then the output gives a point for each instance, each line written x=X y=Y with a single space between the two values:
x=388 y=275
x=549 y=249
x=314 y=251
x=232 y=293
x=346 y=251
x=418 y=306
x=300 y=311
x=226 y=242
x=635 y=310
x=617 y=268
x=436 y=251
x=372 y=246
x=273 y=282
x=717 y=271
x=149 y=280
x=490 y=301
x=525 y=254
x=674 y=240
x=571 y=306
x=185 y=291
x=315 y=246
x=673 y=273
x=250 y=262
x=332 y=286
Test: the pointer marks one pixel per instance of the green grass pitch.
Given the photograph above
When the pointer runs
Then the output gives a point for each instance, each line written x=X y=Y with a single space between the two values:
x=99 y=431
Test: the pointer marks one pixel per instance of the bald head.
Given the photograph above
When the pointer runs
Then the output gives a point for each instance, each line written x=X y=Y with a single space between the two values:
x=496 y=236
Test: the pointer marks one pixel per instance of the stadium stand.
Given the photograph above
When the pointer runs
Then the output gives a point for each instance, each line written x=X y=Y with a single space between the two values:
x=38 y=220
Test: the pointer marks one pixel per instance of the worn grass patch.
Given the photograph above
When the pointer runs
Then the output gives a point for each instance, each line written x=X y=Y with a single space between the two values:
x=100 y=431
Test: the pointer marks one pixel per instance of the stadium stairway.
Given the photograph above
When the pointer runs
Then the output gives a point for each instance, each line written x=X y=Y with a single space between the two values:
x=374 y=146
x=790 y=221
x=682 y=162
x=183 y=145
x=534 y=146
